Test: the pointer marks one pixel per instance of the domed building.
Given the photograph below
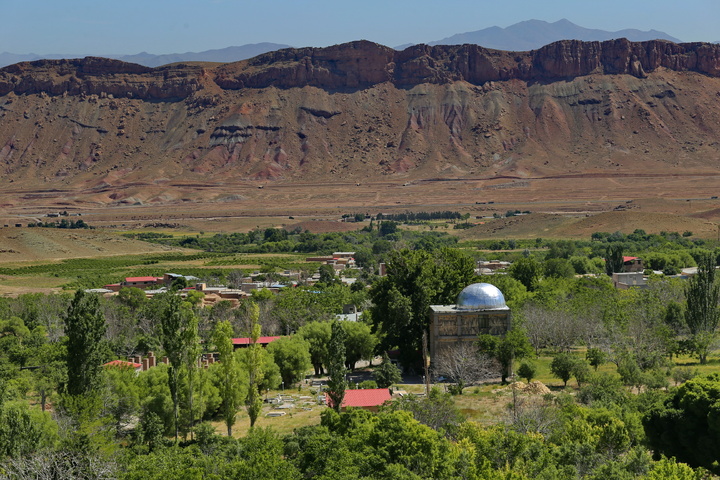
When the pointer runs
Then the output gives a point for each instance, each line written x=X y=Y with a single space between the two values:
x=480 y=309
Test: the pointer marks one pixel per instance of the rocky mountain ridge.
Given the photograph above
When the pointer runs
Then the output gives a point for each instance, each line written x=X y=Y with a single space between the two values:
x=109 y=132
x=360 y=65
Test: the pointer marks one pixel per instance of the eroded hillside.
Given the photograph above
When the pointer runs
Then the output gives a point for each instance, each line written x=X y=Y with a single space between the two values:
x=103 y=132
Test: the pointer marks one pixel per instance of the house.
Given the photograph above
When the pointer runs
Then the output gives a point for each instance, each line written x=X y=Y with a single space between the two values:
x=625 y=280
x=140 y=282
x=245 y=341
x=368 y=399
x=633 y=264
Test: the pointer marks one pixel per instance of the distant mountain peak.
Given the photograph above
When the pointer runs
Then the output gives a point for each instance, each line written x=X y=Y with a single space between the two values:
x=533 y=34
x=222 y=55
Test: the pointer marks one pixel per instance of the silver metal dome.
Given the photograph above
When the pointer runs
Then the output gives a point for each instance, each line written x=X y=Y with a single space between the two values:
x=481 y=296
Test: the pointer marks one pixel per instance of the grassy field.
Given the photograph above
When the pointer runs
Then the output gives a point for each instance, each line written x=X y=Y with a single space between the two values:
x=23 y=277
x=486 y=404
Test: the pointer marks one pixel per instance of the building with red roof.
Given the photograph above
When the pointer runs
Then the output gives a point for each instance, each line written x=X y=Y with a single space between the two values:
x=633 y=264
x=368 y=398
x=141 y=281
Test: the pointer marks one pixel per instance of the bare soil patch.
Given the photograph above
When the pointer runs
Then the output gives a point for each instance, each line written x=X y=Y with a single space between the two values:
x=324 y=226
x=540 y=225
x=43 y=244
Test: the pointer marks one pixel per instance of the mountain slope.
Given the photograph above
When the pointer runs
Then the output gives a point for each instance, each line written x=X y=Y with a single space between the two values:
x=103 y=132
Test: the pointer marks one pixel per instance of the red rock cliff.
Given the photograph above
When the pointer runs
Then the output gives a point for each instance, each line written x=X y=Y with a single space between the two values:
x=359 y=65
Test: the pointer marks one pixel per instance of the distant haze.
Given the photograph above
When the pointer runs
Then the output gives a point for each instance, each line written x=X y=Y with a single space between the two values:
x=527 y=35
x=223 y=55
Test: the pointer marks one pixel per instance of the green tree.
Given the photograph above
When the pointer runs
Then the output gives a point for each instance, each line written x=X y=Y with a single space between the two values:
x=595 y=357
x=702 y=313
x=415 y=280
x=177 y=323
x=685 y=425
x=254 y=366
x=528 y=271
x=230 y=387
x=317 y=334
x=614 y=259
x=23 y=431
x=387 y=373
x=327 y=274
x=336 y=365
x=271 y=378
x=133 y=297
x=85 y=329
x=360 y=343
x=121 y=399
x=559 y=268
x=562 y=367
x=292 y=356
x=528 y=371
x=514 y=345
x=191 y=339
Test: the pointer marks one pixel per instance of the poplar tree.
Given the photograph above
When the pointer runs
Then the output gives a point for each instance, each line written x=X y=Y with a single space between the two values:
x=230 y=387
x=176 y=331
x=336 y=366
x=613 y=259
x=255 y=371
x=702 y=315
x=85 y=329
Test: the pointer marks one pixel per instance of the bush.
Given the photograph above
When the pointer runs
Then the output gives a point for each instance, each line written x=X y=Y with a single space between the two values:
x=683 y=374
x=527 y=371
x=562 y=367
x=595 y=357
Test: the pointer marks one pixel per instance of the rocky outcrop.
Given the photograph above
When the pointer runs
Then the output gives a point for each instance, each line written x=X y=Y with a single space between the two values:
x=361 y=64
x=101 y=76
x=358 y=65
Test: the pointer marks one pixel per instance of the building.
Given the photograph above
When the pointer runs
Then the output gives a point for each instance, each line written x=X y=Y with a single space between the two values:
x=368 y=399
x=480 y=309
x=625 y=280
x=141 y=282
x=633 y=264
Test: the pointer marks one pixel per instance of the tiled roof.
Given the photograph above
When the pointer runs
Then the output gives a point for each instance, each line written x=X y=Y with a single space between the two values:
x=122 y=364
x=629 y=259
x=140 y=279
x=369 y=397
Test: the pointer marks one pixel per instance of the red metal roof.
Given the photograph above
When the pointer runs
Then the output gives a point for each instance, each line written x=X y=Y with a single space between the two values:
x=629 y=259
x=370 y=397
x=141 y=279
x=122 y=364
x=260 y=340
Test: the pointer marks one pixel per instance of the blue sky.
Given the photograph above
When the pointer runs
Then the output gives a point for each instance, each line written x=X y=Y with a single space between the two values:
x=175 y=26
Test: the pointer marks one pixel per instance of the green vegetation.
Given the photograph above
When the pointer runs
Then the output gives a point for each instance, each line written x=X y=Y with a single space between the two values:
x=64 y=223
x=607 y=355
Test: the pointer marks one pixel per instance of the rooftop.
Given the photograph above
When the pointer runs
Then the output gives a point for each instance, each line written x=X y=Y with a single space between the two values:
x=140 y=279
x=122 y=364
x=370 y=397
x=481 y=296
